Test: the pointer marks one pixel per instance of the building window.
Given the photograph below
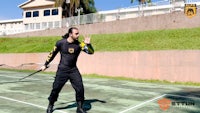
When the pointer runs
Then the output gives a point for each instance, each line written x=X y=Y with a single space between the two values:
x=26 y=26
x=46 y=12
x=54 y=11
x=31 y=26
x=37 y=26
x=44 y=25
x=28 y=14
x=4 y=26
x=11 y=26
x=56 y=24
x=35 y=13
x=50 y=24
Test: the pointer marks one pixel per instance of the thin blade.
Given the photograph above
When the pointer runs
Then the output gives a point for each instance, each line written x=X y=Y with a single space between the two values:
x=30 y=75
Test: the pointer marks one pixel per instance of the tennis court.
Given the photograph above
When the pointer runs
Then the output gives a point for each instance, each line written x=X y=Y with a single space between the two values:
x=102 y=95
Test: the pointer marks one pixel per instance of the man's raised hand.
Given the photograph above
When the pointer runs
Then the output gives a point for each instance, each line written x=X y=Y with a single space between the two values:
x=87 y=39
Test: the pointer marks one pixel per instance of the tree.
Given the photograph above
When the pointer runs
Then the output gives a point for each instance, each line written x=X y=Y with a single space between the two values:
x=142 y=1
x=58 y=3
x=69 y=8
x=88 y=6
x=74 y=4
x=132 y=1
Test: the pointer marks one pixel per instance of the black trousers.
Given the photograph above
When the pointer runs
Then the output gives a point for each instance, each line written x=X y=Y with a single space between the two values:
x=61 y=78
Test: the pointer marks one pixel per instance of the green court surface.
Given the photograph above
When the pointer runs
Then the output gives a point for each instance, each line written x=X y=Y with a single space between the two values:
x=101 y=95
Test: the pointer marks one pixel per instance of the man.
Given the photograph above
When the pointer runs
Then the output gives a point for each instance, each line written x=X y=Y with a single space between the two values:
x=69 y=48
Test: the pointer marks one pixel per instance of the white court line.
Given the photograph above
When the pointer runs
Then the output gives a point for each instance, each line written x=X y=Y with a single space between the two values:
x=27 y=103
x=6 y=98
x=143 y=103
x=134 y=107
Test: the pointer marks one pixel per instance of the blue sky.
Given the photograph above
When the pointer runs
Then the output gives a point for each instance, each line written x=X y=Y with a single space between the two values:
x=112 y=4
x=9 y=8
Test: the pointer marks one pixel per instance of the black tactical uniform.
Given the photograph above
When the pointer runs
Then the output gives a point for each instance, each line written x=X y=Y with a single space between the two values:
x=67 y=69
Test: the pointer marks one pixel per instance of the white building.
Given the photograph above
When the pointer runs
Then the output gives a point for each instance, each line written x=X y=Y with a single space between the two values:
x=41 y=14
x=11 y=26
x=37 y=15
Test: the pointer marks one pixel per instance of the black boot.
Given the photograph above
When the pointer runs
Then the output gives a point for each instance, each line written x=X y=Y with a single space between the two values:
x=50 y=108
x=80 y=107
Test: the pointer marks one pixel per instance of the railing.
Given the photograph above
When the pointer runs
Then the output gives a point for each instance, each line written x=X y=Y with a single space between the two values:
x=118 y=14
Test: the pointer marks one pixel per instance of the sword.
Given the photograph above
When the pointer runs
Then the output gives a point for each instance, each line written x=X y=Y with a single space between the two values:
x=30 y=74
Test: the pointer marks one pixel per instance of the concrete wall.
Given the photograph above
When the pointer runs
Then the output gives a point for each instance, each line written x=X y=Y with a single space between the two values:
x=162 y=65
x=157 y=22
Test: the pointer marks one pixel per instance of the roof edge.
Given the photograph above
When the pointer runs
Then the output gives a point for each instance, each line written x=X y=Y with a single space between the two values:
x=25 y=3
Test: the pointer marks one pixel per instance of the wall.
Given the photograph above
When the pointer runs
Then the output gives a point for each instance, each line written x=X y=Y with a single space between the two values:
x=163 y=65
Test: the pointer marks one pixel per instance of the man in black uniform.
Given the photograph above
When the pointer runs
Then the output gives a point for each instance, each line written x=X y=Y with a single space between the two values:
x=69 y=48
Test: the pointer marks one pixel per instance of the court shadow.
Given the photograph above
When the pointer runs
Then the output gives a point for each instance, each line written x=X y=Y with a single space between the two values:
x=187 y=93
x=187 y=99
x=18 y=81
x=87 y=105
